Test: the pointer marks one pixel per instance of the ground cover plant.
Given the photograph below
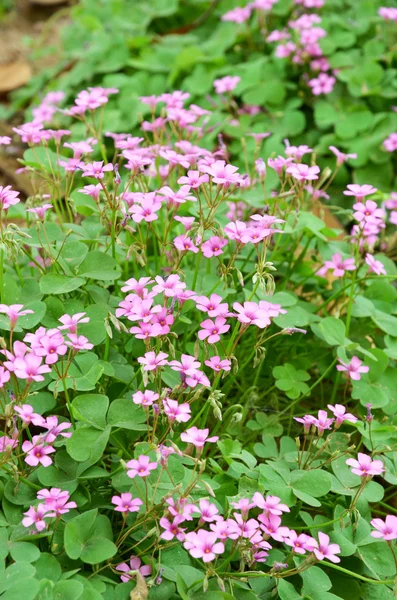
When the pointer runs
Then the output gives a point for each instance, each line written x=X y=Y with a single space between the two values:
x=197 y=379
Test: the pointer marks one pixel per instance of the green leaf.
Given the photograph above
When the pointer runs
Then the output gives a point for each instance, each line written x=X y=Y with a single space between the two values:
x=92 y=409
x=47 y=567
x=68 y=590
x=286 y=590
x=127 y=415
x=331 y=330
x=59 y=284
x=315 y=581
x=26 y=589
x=379 y=559
x=87 y=537
x=24 y=551
x=317 y=483
x=98 y=265
x=87 y=444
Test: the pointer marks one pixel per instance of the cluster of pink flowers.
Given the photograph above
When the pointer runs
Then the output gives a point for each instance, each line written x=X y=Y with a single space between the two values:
x=388 y=13
x=56 y=503
x=390 y=143
x=242 y=14
x=250 y=534
x=322 y=422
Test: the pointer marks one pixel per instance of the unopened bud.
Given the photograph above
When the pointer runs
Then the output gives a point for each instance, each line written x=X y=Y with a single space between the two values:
x=208 y=488
x=369 y=416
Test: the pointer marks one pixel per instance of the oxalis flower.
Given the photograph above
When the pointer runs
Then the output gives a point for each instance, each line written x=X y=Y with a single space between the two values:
x=203 y=544
x=197 y=437
x=140 y=467
x=364 y=466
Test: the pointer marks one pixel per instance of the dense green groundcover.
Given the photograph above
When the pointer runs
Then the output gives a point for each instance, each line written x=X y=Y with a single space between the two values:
x=198 y=386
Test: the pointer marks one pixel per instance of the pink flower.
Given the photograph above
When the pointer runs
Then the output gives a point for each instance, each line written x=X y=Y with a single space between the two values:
x=300 y=543
x=375 y=266
x=208 y=511
x=187 y=222
x=55 y=429
x=203 y=544
x=7 y=443
x=176 y=198
x=341 y=157
x=279 y=163
x=172 y=529
x=146 y=210
x=187 y=364
x=181 y=507
x=134 y=565
x=359 y=191
x=27 y=415
x=13 y=311
x=146 y=330
x=71 y=322
x=40 y=211
x=222 y=174
x=390 y=143
x=96 y=169
x=325 y=549
x=217 y=364
x=212 y=305
x=51 y=347
x=197 y=437
x=303 y=172
x=125 y=503
x=184 y=243
x=56 y=500
x=387 y=529
x=271 y=505
x=323 y=422
x=193 y=179
x=307 y=421
x=337 y=265
x=4 y=376
x=242 y=528
x=238 y=14
x=170 y=285
x=365 y=466
x=78 y=342
x=5 y=140
x=213 y=246
x=354 y=368
x=322 y=84
x=91 y=190
x=368 y=211
x=37 y=453
x=226 y=84
x=152 y=361
x=341 y=415
x=141 y=466
x=30 y=368
x=211 y=331
x=271 y=526
x=176 y=412
x=297 y=152
x=251 y=314
x=145 y=398
x=36 y=516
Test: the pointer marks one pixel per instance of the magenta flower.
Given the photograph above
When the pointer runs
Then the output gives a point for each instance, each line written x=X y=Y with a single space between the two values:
x=7 y=443
x=222 y=528
x=240 y=527
x=390 y=143
x=216 y=364
x=212 y=305
x=146 y=210
x=341 y=415
x=36 y=516
x=5 y=140
x=238 y=14
x=203 y=544
x=187 y=222
x=213 y=246
x=71 y=322
x=176 y=412
x=323 y=422
x=337 y=265
x=197 y=437
x=51 y=348
x=297 y=152
x=96 y=169
x=375 y=266
x=300 y=543
x=368 y=211
x=27 y=414
x=186 y=365
x=176 y=198
x=279 y=163
x=386 y=529
x=307 y=421
x=226 y=84
x=145 y=398
x=271 y=505
x=359 y=191
x=134 y=565
x=365 y=466
x=341 y=157
x=91 y=190
x=181 y=507
x=303 y=172
x=251 y=314
x=212 y=330
x=13 y=312
x=37 y=453
x=125 y=503
x=354 y=368
x=152 y=361
x=55 y=429
x=172 y=529
x=325 y=549
x=146 y=330
x=141 y=466
x=244 y=505
x=56 y=500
